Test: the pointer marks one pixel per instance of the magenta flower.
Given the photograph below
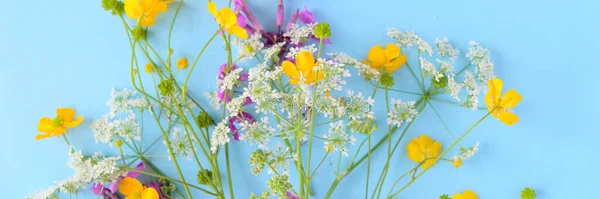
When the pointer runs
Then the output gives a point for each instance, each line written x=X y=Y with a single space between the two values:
x=224 y=95
x=242 y=117
x=291 y=195
x=279 y=19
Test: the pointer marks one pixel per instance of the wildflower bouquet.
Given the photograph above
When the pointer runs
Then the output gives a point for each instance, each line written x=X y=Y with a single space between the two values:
x=284 y=95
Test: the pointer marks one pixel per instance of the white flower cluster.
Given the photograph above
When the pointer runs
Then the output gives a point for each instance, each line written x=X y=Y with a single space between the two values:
x=401 y=112
x=332 y=107
x=110 y=127
x=230 y=80
x=257 y=133
x=473 y=90
x=247 y=48
x=362 y=69
x=272 y=51
x=220 y=136
x=236 y=105
x=445 y=49
x=334 y=73
x=94 y=169
x=298 y=34
x=410 y=39
x=429 y=69
x=358 y=107
x=259 y=88
x=213 y=99
x=180 y=144
x=279 y=156
x=337 y=137
x=480 y=57
x=294 y=51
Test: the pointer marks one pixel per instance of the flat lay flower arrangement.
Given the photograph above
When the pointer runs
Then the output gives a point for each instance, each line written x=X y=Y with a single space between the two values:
x=280 y=92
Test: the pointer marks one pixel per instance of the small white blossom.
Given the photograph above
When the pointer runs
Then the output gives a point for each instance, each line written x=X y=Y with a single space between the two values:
x=247 y=48
x=125 y=101
x=410 y=39
x=429 y=69
x=473 y=90
x=401 y=112
x=470 y=152
x=453 y=87
x=280 y=159
x=480 y=57
x=359 y=108
x=213 y=99
x=331 y=107
x=220 y=136
x=181 y=145
x=294 y=51
x=236 y=105
x=298 y=33
x=272 y=51
x=230 y=80
x=362 y=69
x=337 y=137
x=445 y=49
x=257 y=133
x=44 y=194
x=106 y=130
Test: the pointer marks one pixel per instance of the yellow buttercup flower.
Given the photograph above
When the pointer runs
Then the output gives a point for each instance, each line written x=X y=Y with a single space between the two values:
x=182 y=63
x=467 y=194
x=133 y=189
x=65 y=118
x=227 y=19
x=502 y=104
x=145 y=11
x=388 y=59
x=422 y=148
x=305 y=63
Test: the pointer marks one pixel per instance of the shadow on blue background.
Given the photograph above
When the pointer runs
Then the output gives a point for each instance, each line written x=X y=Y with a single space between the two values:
x=71 y=53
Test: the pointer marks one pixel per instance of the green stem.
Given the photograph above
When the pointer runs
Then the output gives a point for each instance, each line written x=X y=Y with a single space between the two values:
x=171 y=179
x=66 y=140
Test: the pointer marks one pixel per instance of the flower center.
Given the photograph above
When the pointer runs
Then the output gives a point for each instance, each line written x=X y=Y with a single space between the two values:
x=58 y=121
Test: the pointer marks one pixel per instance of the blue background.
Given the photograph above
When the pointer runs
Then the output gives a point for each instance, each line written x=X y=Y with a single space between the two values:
x=71 y=53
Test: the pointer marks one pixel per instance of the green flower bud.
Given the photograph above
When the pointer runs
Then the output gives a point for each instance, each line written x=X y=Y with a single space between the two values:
x=204 y=120
x=441 y=82
x=166 y=187
x=115 y=6
x=279 y=185
x=258 y=160
x=138 y=33
x=322 y=31
x=205 y=177
x=528 y=193
x=386 y=80
x=266 y=194
x=166 y=87
x=445 y=196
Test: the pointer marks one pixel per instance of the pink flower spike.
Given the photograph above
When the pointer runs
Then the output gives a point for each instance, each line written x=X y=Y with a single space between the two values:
x=306 y=17
x=293 y=18
x=279 y=20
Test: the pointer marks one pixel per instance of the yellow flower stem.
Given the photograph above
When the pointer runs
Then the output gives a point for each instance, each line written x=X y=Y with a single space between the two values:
x=66 y=140
x=442 y=154
x=312 y=117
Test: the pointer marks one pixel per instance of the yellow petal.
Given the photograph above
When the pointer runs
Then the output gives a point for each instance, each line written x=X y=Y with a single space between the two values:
x=413 y=151
x=74 y=123
x=149 y=193
x=468 y=194
x=289 y=69
x=510 y=99
x=492 y=97
x=133 y=197
x=395 y=64
x=45 y=125
x=228 y=17
x=130 y=186
x=238 y=31
x=132 y=9
x=42 y=136
x=157 y=7
x=305 y=61
x=148 y=20
x=457 y=196
x=212 y=8
x=507 y=117
x=67 y=114
x=424 y=142
x=376 y=56
x=391 y=51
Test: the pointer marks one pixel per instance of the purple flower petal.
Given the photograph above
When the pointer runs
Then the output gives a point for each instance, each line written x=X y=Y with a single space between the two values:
x=291 y=195
x=135 y=174
x=279 y=19
x=241 y=20
x=293 y=18
x=242 y=117
x=248 y=101
x=223 y=96
x=114 y=185
x=97 y=188
x=306 y=17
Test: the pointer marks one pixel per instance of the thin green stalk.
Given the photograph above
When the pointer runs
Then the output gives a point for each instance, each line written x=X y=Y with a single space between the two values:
x=66 y=140
x=171 y=179
x=312 y=115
